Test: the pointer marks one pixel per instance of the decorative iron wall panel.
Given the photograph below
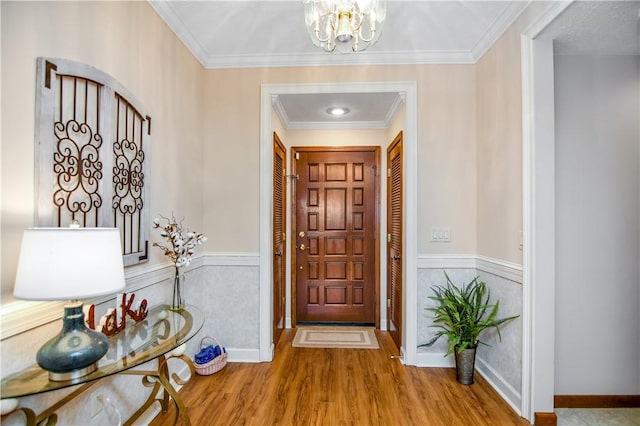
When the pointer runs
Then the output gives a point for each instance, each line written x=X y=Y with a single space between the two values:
x=92 y=144
x=128 y=174
x=77 y=154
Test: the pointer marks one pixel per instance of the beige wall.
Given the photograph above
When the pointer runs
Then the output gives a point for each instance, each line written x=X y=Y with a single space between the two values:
x=206 y=142
x=220 y=158
x=446 y=149
x=345 y=137
x=397 y=124
x=499 y=141
x=130 y=42
x=499 y=145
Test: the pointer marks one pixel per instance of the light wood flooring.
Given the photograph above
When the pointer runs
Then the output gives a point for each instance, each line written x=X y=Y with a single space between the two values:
x=304 y=386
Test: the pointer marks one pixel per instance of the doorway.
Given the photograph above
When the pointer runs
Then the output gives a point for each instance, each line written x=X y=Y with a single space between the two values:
x=409 y=94
x=335 y=221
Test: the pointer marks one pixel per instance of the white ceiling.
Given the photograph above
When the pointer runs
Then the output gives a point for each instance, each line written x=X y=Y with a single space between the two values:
x=309 y=111
x=233 y=34
x=271 y=33
x=596 y=28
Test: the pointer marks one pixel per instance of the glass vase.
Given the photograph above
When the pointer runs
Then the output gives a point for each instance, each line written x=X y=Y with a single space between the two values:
x=177 y=300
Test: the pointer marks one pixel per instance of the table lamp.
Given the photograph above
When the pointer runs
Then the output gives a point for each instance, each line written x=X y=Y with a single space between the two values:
x=70 y=264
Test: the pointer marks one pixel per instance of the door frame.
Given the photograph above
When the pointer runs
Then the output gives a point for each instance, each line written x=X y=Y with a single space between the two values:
x=408 y=92
x=538 y=210
x=293 y=203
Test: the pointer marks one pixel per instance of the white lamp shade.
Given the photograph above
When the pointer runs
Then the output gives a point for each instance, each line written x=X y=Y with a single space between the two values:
x=69 y=263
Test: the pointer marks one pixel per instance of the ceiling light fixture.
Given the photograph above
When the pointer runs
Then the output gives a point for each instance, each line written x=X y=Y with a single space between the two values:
x=344 y=25
x=338 y=111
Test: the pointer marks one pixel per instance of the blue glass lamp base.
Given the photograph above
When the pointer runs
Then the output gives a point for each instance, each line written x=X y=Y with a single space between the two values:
x=75 y=351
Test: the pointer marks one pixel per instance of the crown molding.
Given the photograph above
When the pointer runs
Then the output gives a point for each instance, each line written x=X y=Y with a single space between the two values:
x=166 y=12
x=328 y=59
x=281 y=111
x=322 y=125
x=498 y=27
x=399 y=100
x=267 y=60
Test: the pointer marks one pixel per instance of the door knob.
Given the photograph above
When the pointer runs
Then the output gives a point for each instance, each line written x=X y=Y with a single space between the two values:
x=302 y=247
x=301 y=234
x=396 y=257
x=278 y=253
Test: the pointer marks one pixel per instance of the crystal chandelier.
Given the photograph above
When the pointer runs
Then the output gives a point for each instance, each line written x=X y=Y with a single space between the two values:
x=344 y=25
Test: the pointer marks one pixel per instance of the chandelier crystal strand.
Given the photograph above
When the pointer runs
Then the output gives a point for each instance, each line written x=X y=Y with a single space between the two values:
x=344 y=25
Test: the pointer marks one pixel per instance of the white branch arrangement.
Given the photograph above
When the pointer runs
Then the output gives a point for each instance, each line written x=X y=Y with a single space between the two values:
x=181 y=243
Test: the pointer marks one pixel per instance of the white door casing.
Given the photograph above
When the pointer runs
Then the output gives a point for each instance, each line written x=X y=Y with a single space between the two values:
x=408 y=90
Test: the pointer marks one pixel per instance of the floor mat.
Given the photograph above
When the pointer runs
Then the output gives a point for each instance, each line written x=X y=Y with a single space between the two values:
x=335 y=337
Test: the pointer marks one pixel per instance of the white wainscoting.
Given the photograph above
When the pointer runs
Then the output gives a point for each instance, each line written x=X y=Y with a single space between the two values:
x=501 y=363
x=19 y=316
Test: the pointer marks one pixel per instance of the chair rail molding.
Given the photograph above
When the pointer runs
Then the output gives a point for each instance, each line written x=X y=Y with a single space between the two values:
x=18 y=316
x=501 y=268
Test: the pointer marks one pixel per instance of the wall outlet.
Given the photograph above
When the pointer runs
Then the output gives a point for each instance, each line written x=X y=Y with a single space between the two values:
x=441 y=235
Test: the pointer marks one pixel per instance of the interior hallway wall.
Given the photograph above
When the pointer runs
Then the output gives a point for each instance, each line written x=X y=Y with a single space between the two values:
x=146 y=57
x=130 y=42
x=597 y=225
x=446 y=152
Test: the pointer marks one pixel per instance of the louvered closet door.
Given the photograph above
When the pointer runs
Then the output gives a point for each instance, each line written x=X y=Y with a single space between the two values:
x=394 y=240
x=279 y=226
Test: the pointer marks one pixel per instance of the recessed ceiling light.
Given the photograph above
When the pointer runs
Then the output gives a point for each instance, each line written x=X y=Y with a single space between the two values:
x=338 y=111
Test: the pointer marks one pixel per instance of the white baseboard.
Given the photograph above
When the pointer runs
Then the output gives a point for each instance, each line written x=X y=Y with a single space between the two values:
x=434 y=360
x=243 y=355
x=506 y=391
x=402 y=354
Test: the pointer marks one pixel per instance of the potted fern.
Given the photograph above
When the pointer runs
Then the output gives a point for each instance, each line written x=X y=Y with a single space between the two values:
x=462 y=314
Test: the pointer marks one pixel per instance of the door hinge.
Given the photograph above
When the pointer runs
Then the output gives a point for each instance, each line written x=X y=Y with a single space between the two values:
x=297 y=155
x=388 y=238
x=388 y=303
x=388 y=173
x=284 y=236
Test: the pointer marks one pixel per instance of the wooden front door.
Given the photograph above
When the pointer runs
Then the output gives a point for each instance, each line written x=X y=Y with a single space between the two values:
x=279 y=226
x=336 y=223
x=394 y=240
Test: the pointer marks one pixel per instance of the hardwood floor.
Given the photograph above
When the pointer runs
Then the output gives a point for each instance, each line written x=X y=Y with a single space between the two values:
x=339 y=387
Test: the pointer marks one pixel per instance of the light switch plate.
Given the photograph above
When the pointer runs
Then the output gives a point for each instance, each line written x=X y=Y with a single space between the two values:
x=441 y=235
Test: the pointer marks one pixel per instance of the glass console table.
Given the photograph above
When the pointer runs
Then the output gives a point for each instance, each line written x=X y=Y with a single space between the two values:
x=154 y=337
